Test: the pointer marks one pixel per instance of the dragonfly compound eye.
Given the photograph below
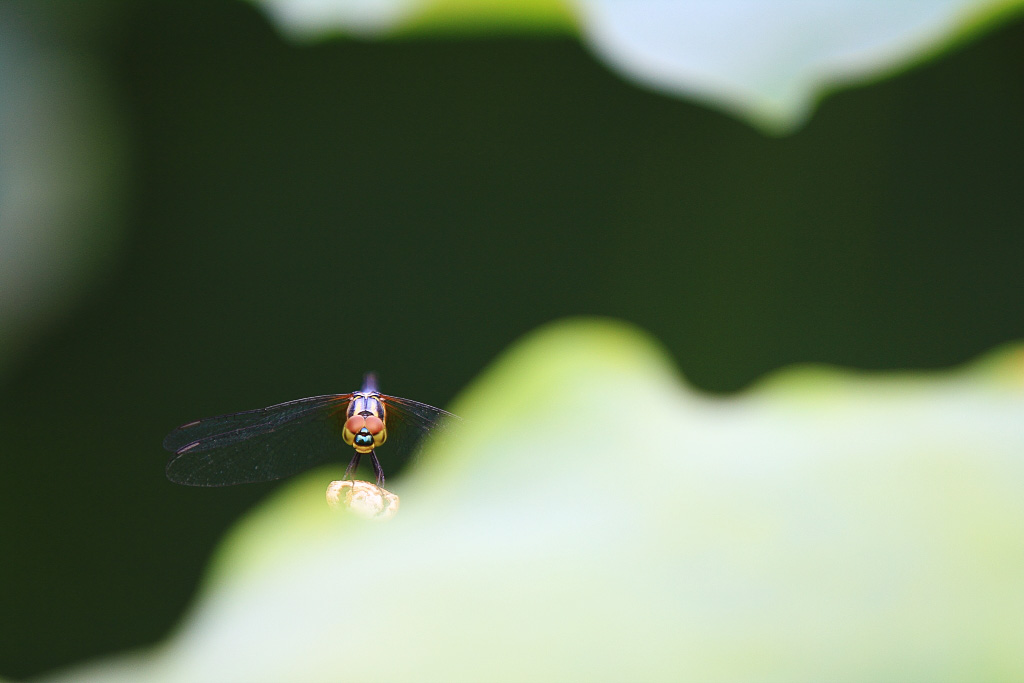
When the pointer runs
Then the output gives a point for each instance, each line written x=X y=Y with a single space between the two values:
x=374 y=424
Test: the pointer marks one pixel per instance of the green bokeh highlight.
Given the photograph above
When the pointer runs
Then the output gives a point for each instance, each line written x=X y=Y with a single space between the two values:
x=452 y=17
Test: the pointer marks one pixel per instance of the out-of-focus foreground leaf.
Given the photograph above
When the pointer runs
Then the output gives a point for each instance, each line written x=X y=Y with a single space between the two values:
x=598 y=520
x=767 y=62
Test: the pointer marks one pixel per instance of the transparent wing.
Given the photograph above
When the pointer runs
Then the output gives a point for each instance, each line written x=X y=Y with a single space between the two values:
x=408 y=422
x=258 y=445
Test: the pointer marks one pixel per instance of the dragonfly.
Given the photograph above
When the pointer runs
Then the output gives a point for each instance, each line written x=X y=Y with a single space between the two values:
x=287 y=438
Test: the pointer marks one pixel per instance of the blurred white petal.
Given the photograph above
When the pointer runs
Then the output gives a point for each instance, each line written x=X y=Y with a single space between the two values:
x=767 y=62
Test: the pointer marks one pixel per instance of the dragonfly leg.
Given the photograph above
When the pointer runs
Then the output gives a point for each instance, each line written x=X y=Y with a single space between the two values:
x=378 y=470
x=352 y=466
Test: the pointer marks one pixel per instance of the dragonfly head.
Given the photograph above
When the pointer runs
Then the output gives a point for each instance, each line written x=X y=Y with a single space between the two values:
x=364 y=432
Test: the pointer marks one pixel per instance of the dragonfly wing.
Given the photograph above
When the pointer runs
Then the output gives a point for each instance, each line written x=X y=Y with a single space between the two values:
x=241 y=426
x=257 y=445
x=409 y=421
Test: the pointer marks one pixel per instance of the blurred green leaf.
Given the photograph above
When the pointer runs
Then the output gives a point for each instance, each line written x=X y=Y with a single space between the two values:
x=452 y=16
x=598 y=520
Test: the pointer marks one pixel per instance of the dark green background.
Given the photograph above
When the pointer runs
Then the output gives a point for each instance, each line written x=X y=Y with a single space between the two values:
x=301 y=214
